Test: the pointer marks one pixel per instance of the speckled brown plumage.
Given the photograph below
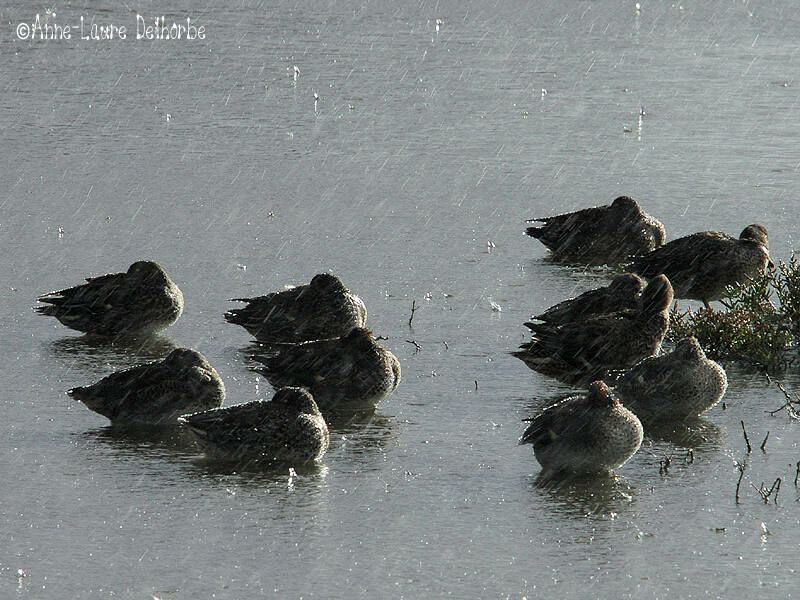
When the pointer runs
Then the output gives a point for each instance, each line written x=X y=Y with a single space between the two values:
x=674 y=386
x=610 y=233
x=287 y=429
x=585 y=350
x=155 y=393
x=700 y=266
x=140 y=301
x=584 y=434
x=352 y=372
x=622 y=293
x=321 y=310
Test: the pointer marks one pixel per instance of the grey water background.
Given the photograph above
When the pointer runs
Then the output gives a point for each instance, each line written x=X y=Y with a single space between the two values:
x=410 y=174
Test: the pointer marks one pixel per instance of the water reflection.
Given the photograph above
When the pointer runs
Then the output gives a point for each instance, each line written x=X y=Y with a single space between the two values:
x=145 y=440
x=538 y=405
x=291 y=499
x=256 y=472
x=698 y=434
x=600 y=495
x=177 y=445
x=597 y=267
x=92 y=352
x=362 y=432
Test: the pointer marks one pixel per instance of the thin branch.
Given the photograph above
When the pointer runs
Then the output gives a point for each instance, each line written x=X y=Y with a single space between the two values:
x=777 y=487
x=416 y=345
x=664 y=465
x=739 y=482
x=746 y=439
x=764 y=443
x=790 y=403
x=766 y=493
x=413 y=310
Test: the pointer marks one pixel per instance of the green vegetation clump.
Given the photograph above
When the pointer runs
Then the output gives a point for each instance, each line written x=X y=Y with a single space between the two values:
x=787 y=287
x=752 y=329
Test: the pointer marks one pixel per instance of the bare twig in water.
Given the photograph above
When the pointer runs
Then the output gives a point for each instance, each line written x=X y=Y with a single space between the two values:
x=476 y=385
x=796 y=473
x=790 y=403
x=764 y=443
x=746 y=439
x=689 y=457
x=413 y=310
x=446 y=347
x=766 y=493
x=739 y=482
x=416 y=345
x=663 y=465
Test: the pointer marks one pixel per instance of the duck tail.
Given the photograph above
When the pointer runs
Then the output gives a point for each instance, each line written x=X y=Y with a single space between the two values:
x=535 y=232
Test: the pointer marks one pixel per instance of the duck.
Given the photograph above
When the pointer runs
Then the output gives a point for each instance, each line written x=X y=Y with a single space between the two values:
x=702 y=265
x=287 y=429
x=602 y=234
x=585 y=434
x=622 y=293
x=588 y=349
x=140 y=301
x=155 y=393
x=322 y=309
x=675 y=386
x=353 y=372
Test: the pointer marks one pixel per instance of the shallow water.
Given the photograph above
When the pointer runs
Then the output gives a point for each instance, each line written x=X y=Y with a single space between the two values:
x=411 y=176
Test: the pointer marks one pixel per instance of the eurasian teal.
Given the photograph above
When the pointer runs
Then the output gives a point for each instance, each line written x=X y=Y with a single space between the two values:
x=141 y=301
x=589 y=433
x=586 y=350
x=287 y=429
x=353 y=372
x=674 y=386
x=611 y=233
x=321 y=310
x=700 y=266
x=622 y=293
x=155 y=393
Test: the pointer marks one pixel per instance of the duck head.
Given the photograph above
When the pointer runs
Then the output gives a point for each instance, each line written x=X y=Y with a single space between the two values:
x=298 y=399
x=601 y=395
x=658 y=294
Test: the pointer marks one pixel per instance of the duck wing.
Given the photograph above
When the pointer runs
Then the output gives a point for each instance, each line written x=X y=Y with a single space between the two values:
x=684 y=255
x=588 y=303
x=570 y=230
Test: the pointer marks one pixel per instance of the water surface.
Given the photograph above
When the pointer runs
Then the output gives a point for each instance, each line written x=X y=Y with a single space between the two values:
x=410 y=174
